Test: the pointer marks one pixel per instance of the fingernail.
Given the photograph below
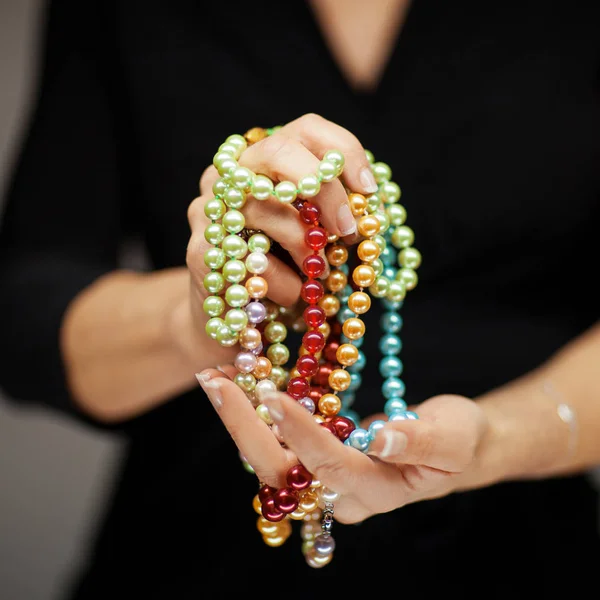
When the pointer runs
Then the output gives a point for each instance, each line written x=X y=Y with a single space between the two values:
x=394 y=442
x=273 y=402
x=345 y=220
x=202 y=377
x=367 y=180
x=213 y=391
x=220 y=368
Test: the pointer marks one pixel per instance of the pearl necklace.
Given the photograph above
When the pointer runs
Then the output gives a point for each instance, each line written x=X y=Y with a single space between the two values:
x=326 y=374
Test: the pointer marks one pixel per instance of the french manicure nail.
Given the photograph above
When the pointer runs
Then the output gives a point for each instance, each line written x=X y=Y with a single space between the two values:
x=272 y=401
x=367 y=180
x=220 y=368
x=345 y=220
x=213 y=391
x=394 y=442
x=202 y=378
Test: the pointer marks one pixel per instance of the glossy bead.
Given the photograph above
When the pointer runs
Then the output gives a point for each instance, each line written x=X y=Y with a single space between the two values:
x=257 y=263
x=214 y=258
x=354 y=328
x=298 y=387
x=236 y=319
x=381 y=172
x=214 y=209
x=278 y=354
x=214 y=234
x=265 y=491
x=390 y=344
x=335 y=157
x=411 y=415
x=339 y=380
x=257 y=287
x=377 y=267
x=265 y=527
x=213 y=306
x=368 y=225
x=270 y=511
x=245 y=381
x=233 y=221
x=343 y=426
x=264 y=386
x=332 y=238
x=337 y=255
x=355 y=382
x=324 y=544
x=374 y=427
x=236 y=296
x=234 y=198
x=278 y=540
x=286 y=500
x=352 y=415
x=336 y=280
x=368 y=251
x=384 y=220
x=234 y=271
x=226 y=337
x=219 y=187
x=261 y=187
x=214 y=282
x=224 y=162
x=250 y=338
x=396 y=291
x=212 y=327
x=309 y=213
x=308 y=404
x=394 y=405
x=321 y=377
x=275 y=331
x=316 y=561
x=408 y=277
x=314 y=316
x=262 y=368
x=380 y=287
x=358 y=204
x=242 y=178
x=315 y=238
x=398 y=416
x=256 y=134
x=277 y=376
x=388 y=256
x=259 y=242
x=403 y=237
x=393 y=388
x=307 y=365
x=363 y=276
x=237 y=140
x=245 y=362
x=298 y=477
x=347 y=399
x=313 y=341
x=256 y=312
x=390 y=366
x=327 y=171
x=312 y=291
x=347 y=354
x=234 y=246
x=330 y=350
x=344 y=314
x=313 y=265
x=391 y=322
x=359 y=302
x=373 y=203
x=330 y=304
x=360 y=363
x=285 y=192
x=359 y=439
x=329 y=405
x=309 y=186
x=397 y=214
x=390 y=192
x=309 y=501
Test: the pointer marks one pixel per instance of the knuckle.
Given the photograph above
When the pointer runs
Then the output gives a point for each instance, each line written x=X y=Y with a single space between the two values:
x=274 y=147
x=195 y=210
x=332 y=473
x=312 y=120
x=424 y=445
x=208 y=177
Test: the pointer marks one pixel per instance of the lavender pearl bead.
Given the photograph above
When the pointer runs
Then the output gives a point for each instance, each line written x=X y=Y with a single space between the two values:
x=245 y=362
x=308 y=404
x=256 y=312
x=324 y=544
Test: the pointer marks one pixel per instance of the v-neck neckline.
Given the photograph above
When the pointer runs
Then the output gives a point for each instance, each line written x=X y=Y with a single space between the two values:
x=337 y=72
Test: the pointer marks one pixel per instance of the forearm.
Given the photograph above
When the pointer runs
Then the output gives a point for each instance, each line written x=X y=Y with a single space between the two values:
x=526 y=436
x=128 y=343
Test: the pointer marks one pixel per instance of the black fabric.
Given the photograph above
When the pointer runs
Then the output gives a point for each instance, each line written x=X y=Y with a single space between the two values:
x=488 y=114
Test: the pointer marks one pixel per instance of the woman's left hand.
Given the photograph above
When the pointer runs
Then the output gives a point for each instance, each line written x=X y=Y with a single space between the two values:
x=408 y=460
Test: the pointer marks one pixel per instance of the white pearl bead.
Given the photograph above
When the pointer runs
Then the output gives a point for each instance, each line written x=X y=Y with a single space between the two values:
x=328 y=495
x=264 y=386
x=257 y=263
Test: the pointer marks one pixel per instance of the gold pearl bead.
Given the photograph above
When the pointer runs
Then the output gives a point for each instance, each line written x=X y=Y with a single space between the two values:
x=329 y=405
x=308 y=501
x=336 y=281
x=363 y=276
x=330 y=304
x=368 y=226
x=319 y=419
x=368 y=251
x=294 y=372
x=353 y=328
x=337 y=255
x=317 y=560
x=339 y=380
x=263 y=367
x=347 y=354
x=332 y=238
x=325 y=329
x=255 y=135
x=256 y=504
x=358 y=204
x=298 y=514
x=266 y=527
x=359 y=302
x=257 y=287
x=275 y=541
x=250 y=338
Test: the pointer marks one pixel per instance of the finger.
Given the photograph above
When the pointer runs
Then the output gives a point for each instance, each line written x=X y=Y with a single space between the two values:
x=252 y=435
x=283 y=283
x=320 y=135
x=317 y=449
x=208 y=179
x=283 y=158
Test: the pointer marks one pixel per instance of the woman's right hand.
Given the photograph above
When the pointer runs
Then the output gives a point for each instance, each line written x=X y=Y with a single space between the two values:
x=289 y=154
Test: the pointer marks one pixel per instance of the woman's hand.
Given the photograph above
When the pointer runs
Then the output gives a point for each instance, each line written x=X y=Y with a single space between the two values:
x=289 y=154
x=408 y=461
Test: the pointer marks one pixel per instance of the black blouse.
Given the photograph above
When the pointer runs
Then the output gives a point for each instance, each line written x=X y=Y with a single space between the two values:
x=489 y=116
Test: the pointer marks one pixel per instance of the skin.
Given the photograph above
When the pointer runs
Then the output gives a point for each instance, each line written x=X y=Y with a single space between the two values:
x=131 y=341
